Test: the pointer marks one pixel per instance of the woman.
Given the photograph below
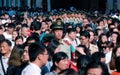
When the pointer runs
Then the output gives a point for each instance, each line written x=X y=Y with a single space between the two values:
x=60 y=62
x=15 y=60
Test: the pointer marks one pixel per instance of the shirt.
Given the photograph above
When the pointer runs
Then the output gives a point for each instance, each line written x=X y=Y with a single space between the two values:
x=5 y=64
x=31 y=69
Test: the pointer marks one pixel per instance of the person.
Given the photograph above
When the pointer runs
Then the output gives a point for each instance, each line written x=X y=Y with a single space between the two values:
x=15 y=60
x=60 y=62
x=53 y=47
x=85 y=40
x=18 y=40
x=96 y=68
x=82 y=63
x=115 y=53
x=117 y=64
x=5 y=46
x=38 y=56
x=57 y=29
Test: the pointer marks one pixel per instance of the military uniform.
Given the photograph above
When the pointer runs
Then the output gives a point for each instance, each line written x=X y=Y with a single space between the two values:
x=64 y=45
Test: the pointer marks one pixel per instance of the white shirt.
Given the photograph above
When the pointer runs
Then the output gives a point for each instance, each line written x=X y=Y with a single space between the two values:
x=5 y=65
x=108 y=57
x=31 y=69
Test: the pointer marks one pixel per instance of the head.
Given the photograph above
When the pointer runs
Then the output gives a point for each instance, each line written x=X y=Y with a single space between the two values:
x=25 y=56
x=98 y=57
x=16 y=55
x=60 y=61
x=38 y=54
x=71 y=33
x=57 y=28
x=19 y=40
x=97 y=68
x=84 y=38
x=53 y=47
x=5 y=47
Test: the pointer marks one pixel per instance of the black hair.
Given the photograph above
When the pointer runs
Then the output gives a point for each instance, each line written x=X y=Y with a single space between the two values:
x=52 y=46
x=68 y=72
x=7 y=41
x=96 y=57
x=101 y=65
x=57 y=57
x=85 y=34
x=35 y=49
x=35 y=25
x=82 y=63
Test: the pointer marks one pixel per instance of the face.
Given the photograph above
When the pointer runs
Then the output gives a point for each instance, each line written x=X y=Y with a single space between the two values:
x=25 y=54
x=104 y=38
x=14 y=35
x=94 y=71
x=118 y=52
x=113 y=38
x=24 y=32
x=5 y=48
x=91 y=36
x=72 y=35
x=58 y=34
x=19 y=41
x=84 y=40
x=45 y=57
x=62 y=64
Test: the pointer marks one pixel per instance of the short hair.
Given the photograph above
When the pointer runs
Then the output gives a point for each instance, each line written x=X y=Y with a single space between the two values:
x=35 y=49
x=101 y=65
x=7 y=41
x=85 y=34
x=69 y=30
x=35 y=25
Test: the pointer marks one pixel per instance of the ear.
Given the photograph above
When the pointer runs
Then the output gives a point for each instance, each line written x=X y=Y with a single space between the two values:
x=56 y=63
x=40 y=56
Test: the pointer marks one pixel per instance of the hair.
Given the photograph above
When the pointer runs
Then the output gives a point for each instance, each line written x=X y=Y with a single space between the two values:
x=69 y=30
x=16 y=55
x=101 y=65
x=117 y=63
x=35 y=26
x=85 y=34
x=19 y=37
x=112 y=62
x=57 y=57
x=34 y=36
x=52 y=46
x=96 y=57
x=82 y=63
x=35 y=49
x=68 y=72
x=2 y=37
x=7 y=41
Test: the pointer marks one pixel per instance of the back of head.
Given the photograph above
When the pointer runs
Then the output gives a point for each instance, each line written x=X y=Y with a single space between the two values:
x=35 y=49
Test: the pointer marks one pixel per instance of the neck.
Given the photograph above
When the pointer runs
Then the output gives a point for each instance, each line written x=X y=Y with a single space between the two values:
x=6 y=55
x=57 y=71
x=37 y=63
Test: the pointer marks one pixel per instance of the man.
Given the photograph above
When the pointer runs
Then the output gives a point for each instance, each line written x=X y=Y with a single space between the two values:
x=57 y=29
x=38 y=57
x=85 y=40
x=97 y=68
x=5 y=50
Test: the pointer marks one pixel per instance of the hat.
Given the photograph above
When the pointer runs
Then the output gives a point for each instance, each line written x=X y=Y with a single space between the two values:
x=58 y=25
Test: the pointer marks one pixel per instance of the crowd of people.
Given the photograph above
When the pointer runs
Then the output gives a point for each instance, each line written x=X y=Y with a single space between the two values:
x=64 y=42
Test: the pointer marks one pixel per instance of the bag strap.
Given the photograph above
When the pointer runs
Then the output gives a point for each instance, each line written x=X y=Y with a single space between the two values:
x=2 y=66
